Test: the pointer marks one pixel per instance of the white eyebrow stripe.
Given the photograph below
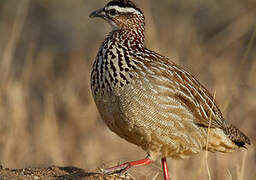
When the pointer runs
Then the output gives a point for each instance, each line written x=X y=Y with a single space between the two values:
x=121 y=9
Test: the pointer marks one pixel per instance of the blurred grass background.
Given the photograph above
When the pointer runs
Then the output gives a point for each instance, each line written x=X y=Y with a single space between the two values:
x=47 y=115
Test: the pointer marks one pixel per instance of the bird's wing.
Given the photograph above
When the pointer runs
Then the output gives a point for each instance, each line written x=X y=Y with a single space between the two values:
x=192 y=95
x=181 y=84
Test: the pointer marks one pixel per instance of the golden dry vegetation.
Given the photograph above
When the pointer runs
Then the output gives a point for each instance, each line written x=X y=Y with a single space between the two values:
x=47 y=115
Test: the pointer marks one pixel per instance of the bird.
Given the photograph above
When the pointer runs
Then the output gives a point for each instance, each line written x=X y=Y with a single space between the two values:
x=149 y=100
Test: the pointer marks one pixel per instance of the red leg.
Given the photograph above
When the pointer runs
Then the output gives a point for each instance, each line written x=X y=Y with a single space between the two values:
x=122 y=168
x=165 y=169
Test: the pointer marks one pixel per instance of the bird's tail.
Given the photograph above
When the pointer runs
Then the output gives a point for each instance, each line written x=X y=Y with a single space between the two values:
x=238 y=137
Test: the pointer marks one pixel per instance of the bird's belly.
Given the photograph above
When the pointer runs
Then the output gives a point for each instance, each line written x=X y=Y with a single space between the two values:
x=114 y=114
x=140 y=119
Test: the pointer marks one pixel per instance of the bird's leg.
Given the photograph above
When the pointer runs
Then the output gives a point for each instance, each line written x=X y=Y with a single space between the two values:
x=165 y=169
x=122 y=168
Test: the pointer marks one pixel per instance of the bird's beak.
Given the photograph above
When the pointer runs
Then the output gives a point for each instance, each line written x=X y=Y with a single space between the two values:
x=97 y=13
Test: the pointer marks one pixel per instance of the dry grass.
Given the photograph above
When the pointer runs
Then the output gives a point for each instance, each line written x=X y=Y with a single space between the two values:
x=47 y=115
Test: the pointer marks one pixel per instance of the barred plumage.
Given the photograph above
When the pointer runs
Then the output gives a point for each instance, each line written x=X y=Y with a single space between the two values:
x=150 y=101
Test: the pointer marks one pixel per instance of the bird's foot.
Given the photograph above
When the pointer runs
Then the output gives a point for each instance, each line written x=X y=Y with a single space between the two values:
x=120 y=169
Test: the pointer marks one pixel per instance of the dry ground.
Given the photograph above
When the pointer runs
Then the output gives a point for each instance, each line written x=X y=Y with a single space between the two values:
x=47 y=116
x=55 y=173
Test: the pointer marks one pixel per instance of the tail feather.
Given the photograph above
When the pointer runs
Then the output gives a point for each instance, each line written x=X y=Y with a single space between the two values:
x=238 y=137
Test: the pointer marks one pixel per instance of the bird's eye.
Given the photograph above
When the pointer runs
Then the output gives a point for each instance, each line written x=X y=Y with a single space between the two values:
x=113 y=12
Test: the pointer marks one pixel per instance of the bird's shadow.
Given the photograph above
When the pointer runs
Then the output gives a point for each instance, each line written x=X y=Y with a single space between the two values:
x=74 y=173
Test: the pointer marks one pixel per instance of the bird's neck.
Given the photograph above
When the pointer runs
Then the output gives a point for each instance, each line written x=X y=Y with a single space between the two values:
x=130 y=36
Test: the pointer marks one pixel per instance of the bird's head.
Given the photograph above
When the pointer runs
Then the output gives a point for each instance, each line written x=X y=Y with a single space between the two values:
x=121 y=14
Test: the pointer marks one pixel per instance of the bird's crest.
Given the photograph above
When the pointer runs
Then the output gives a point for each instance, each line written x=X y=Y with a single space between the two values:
x=124 y=4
